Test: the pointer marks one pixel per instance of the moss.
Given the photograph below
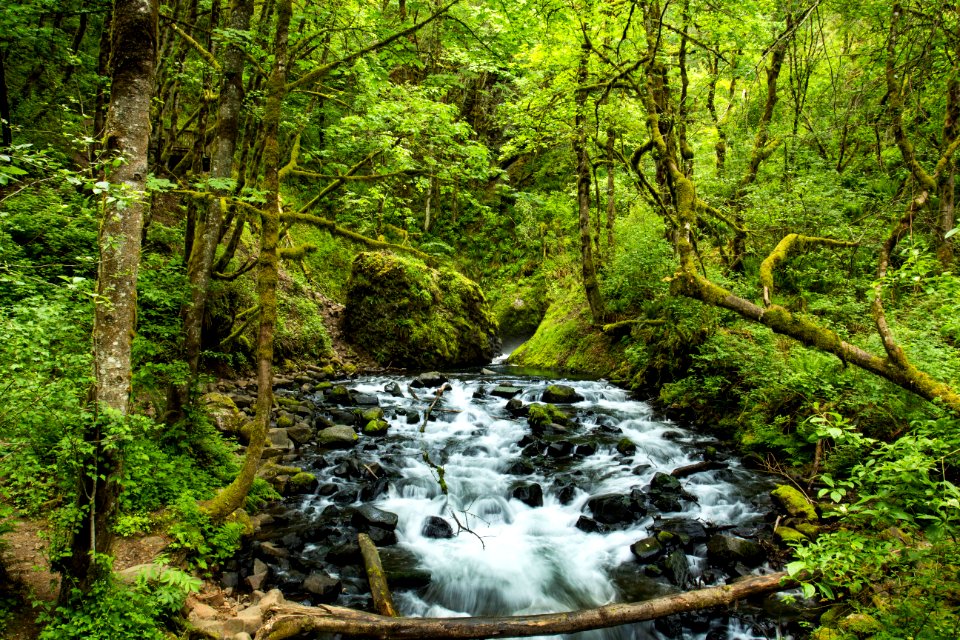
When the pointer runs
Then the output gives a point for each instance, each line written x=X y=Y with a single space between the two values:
x=301 y=483
x=568 y=341
x=860 y=625
x=405 y=313
x=243 y=518
x=788 y=535
x=375 y=413
x=825 y=633
x=376 y=428
x=808 y=529
x=794 y=502
x=540 y=415
x=520 y=307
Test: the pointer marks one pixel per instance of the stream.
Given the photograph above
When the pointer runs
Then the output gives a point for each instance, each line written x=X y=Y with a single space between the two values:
x=538 y=515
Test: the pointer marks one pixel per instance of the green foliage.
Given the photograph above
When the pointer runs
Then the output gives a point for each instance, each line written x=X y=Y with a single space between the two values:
x=205 y=543
x=114 y=611
x=261 y=493
x=635 y=276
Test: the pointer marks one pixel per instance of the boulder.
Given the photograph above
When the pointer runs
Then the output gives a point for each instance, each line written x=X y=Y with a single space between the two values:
x=666 y=493
x=223 y=411
x=300 y=434
x=540 y=415
x=376 y=428
x=677 y=568
x=727 y=551
x=337 y=437
x=369 y=516
x=339 y=395
x=588 y=525
x=506 y=391
x=684 y=530
x=436 y=527
x=300 y=483
x=613 y=508
x=647 y=549
x=402 y=569
x=278 y=438
x=429 y=380
x=793 y=502
x=560 y=394
x=393 y=388
x=375 y=413
x=626 y=447
x=410 y=315
x=529 y=494
x=516 y=408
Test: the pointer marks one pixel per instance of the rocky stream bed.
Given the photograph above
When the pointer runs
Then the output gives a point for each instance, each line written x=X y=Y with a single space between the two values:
x=493 y=494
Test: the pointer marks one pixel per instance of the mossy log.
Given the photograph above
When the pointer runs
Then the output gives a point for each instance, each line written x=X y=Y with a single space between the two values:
x=290 y=621
x=382 y=600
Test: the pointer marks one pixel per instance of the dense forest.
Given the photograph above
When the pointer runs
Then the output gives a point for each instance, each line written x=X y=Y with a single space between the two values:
x=741 y=211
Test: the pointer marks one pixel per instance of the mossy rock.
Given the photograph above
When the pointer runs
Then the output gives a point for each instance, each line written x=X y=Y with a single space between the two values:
x=794 y=502
x=561 y=394
x=541 y=415
x=626 y=447
x=302 y=482
x=224 y=412
x=376 y=413
x=861 y=625
x=376 y=428
x=243 y=518
x=407 y=314
x=285 y=421
x=337 y=437
x=789 y=535
x=826 y=633
x=808 y=529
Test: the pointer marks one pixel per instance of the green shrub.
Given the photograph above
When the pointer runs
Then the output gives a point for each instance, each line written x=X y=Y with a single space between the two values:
x=205 y=543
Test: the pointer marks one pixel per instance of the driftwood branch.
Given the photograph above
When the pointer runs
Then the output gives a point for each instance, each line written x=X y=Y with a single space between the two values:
x=289 y=621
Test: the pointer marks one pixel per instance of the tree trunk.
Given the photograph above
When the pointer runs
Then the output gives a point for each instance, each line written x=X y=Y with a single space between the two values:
x=6 y=133
x=231 y=497
x=611 y=193
x=590 y=285
x=207 y=237
x=128 y=135
x=295 y=621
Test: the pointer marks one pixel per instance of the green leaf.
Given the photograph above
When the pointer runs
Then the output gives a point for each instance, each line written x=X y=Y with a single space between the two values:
x=793 y=568
x=808 y=590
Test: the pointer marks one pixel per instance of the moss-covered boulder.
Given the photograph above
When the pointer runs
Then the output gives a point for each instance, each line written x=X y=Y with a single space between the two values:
x=337 y=437
x=223 y=411
x=376 y=428
x=789 y=535
x=407 y=314
x=541 y=415
x=791 y=500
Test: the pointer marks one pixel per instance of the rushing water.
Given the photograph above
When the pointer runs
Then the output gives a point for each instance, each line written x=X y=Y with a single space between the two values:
x=512 y=558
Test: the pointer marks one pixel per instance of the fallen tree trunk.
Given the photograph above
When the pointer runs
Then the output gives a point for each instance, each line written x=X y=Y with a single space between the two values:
x=382 y=600
x=294 y=620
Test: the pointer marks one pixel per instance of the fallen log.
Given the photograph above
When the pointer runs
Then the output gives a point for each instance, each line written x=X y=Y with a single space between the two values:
x=289 y=620
x=698 y=467
x=382 y=600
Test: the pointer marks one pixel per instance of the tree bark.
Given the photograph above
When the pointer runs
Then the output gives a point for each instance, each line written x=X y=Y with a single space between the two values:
x=6 y=133
x=128 y=135
x=382 y=600
x=207 y=238
x=590 y=285
x=293 y=620
x=232 y=496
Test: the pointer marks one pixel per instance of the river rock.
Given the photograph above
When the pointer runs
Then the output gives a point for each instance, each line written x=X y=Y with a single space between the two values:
x=646 y=550
x=560 y=394
x=685 y=530
x=588 y=525
x=382 y=537
x=436 y=527
x=376 y=428
x=300 y=434
x=337 y=437
x=613 y=508
x=224 y=412
x=323 y=585
x=506 y=391
x=727 y=551
x=529 y=494
x=402 y=569
x=516 y=408
x=368 y=515
x=366 y=400
x=338 y=395
x=393 y=388
x=626 y=447
x=677 y=568
x=666 y=493
x=429 y=380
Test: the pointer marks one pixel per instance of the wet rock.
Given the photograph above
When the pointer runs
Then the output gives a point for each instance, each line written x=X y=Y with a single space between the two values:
x=322 y=585
x=588 y=525
x=686 y=531
x=646 y=550
x=300 y=434
x=521 y=468
x=344 y=553
x=626 y=447
x=480 y=392
x=560 y=394
x=698 y=467
x=587 y=449
x=301 y=483
x=337 y=437
x=341 y=416
x=375 y=413
x=566 y=494
x=516 y=408
x=338 y=395
x=402 y=569
x=374 y=489
x=436 y=527
x=366 y=400
x=540 y=415
x=382 y=537
x=666 y=493
x=677 y=568
x=278 y=438
x=412 y=416
x=726 y=551
x=376 y=428
x=369 y=516
x=612 y=508
x=393 y=388
x=429 y=380
x=529 y=494
x=506 y=391
x=635 y=585
x=560 y=449
x=488 y=372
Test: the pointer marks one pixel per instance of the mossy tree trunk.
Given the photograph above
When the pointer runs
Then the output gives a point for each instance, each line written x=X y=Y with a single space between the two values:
x=209 y=229
x=589 y=267
x=128 y=134
x=232 y=497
